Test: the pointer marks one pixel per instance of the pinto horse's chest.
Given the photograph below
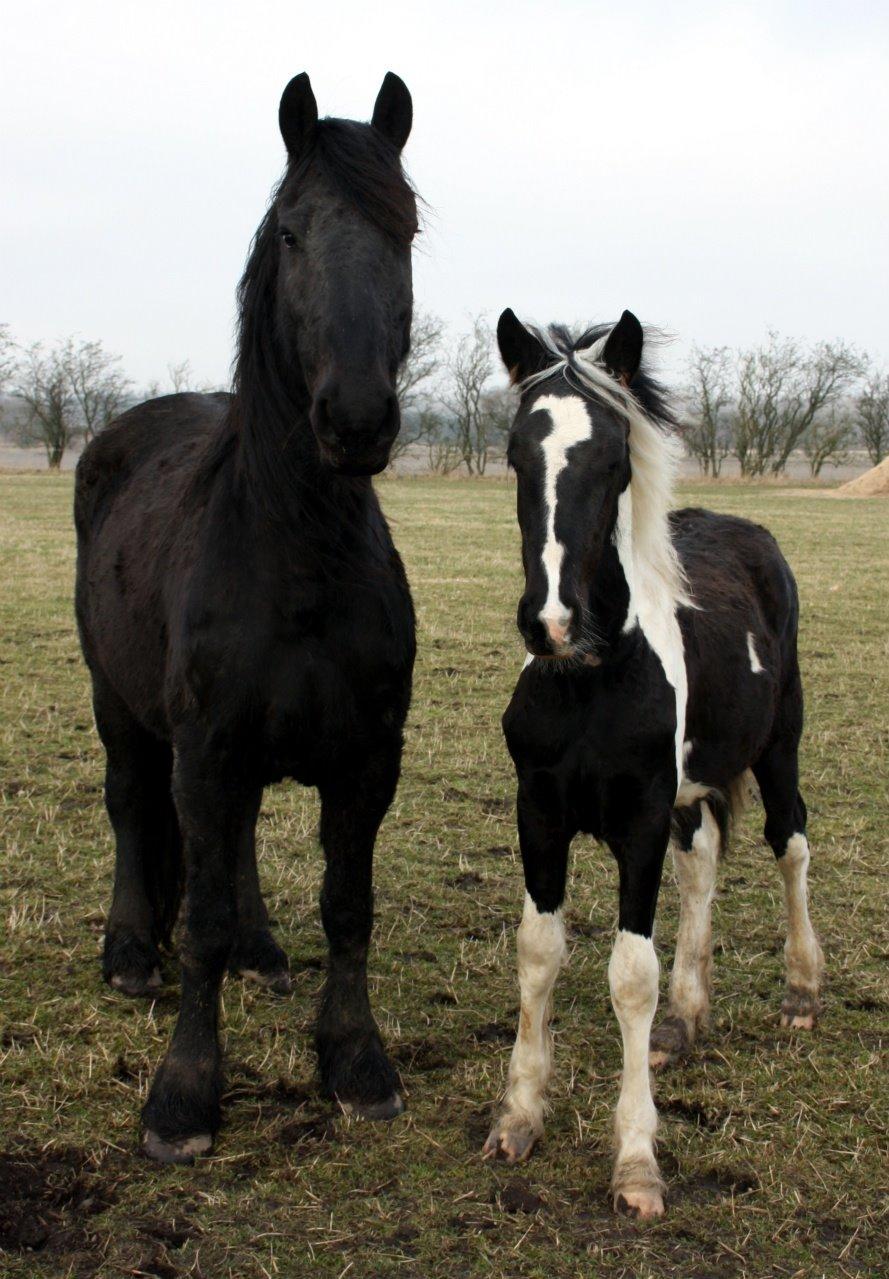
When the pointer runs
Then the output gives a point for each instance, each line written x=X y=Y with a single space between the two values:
x=588 y=744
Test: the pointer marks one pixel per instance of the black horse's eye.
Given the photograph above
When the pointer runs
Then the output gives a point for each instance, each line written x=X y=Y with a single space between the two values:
x=288 y=238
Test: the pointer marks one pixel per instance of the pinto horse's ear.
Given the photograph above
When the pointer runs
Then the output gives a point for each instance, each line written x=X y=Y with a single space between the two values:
x=521 y=352
x=622 y=352
x=298 y=115
x=393 y=110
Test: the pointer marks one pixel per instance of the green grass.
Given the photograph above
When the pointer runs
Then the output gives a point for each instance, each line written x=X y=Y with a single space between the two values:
x=774 y=1145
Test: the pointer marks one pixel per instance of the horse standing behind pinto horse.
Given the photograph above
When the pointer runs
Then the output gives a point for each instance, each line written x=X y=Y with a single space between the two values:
x=245 y=616
x=662 y=666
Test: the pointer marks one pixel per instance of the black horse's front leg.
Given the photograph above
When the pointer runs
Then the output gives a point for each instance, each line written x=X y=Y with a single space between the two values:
x=182 y=1114
x=355 y=1070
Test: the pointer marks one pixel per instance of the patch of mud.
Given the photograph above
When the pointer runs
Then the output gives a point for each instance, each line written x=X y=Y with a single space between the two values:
x=47 y=1198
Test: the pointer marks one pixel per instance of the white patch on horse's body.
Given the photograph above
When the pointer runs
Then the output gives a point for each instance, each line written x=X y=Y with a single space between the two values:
x=633 y=980
x=570 y=425
x=541 y=953
x=755 y=664
x=652 y=606
x=696 y=874
x=802 y=953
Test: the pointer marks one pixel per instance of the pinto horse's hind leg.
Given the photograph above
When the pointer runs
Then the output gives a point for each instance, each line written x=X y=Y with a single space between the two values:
x=355 y=1070
x=785 y=829
x=541 y=953
x=696 y=846
x=147 y=875
x=256 y=955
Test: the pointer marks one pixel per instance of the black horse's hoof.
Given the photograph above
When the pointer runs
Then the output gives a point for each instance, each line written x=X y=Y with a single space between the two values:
x=258 y=957
x=377 y=1111
x=137 y=984
x=131 y=964
x=184 y=1150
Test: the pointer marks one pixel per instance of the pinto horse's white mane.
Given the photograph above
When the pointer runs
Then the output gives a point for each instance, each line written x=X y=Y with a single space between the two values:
x=655 y=456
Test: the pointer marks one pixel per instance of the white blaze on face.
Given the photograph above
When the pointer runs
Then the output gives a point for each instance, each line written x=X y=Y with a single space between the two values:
x=570 y=425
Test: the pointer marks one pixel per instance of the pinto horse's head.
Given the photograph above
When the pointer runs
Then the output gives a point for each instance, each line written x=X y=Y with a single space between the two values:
x=343 y=219
x=570 y=449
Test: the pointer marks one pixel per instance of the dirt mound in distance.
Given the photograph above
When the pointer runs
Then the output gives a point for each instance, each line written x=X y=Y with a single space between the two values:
x=873 y=483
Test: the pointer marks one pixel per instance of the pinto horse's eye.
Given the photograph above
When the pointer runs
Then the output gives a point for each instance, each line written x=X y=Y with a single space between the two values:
x=287 y=237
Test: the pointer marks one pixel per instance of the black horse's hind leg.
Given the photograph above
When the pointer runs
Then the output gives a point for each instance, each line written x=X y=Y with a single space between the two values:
x=785 y=829
x=147 y=876
x=214 y=804
x=256 y=955
x=353 y=1063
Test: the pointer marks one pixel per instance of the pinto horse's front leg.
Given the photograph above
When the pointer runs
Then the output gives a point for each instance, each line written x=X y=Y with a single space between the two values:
x=636 y=1182
x=214 y=804
x=355 y=1070
x=541 y=948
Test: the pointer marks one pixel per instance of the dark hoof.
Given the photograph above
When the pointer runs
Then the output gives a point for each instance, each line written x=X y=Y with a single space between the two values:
x=377 y=1111
x=136 y=985
x=131 y=965
x=183 y=1151
x=799 y=1009
x=279 y=983
x=669 y=1043
x=259 y=958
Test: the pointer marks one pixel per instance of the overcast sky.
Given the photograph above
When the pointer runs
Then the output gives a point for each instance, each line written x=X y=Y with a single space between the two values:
x=717 y=168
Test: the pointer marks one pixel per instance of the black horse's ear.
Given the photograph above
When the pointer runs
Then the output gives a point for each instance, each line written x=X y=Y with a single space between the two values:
x=521 y=352
x=298 y=115
x=623 y=349
x=393 y=110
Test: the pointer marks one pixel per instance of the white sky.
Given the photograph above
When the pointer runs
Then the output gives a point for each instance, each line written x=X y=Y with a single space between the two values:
x=717 y=168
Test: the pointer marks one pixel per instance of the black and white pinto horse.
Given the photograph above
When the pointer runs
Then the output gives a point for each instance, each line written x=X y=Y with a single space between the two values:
x=662 y=667
x=246 y=618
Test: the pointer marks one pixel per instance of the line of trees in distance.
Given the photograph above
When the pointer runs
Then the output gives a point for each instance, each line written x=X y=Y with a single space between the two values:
x=758 y=406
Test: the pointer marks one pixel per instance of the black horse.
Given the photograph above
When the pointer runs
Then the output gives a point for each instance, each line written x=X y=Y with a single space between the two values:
x=662 y=667
x=245 y=616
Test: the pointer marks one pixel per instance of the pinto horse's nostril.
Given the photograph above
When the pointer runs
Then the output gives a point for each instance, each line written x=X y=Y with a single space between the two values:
x=558 y=628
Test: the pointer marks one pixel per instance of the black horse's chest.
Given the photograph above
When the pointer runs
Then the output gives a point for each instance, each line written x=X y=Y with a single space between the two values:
x=337 y=679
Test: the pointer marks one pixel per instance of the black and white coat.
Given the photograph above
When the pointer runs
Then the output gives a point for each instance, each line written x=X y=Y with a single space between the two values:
x=661 y=667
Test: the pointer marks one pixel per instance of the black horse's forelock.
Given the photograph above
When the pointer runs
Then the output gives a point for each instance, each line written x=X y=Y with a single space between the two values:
x=365 y=168
x=564 y=344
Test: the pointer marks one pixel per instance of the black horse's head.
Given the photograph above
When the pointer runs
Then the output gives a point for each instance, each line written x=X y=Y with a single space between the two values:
x=570 y=449
x=326 y=297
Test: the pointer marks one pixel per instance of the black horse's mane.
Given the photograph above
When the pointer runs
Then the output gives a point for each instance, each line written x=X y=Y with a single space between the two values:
x=564 y=344
x=365 y=168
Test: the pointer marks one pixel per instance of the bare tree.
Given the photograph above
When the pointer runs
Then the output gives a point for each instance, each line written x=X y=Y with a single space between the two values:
x=51 y=416
x=414 y=382
x=828 y=439
x=469 y=369
x=8 y=361
x=7 y=357
x=707 y=429
x=182 y=378
x=781 y=391
x=100 y=388
x=872 y=416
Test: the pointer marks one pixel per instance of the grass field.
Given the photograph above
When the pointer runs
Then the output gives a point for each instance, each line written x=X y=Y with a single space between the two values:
x=774 y=1144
